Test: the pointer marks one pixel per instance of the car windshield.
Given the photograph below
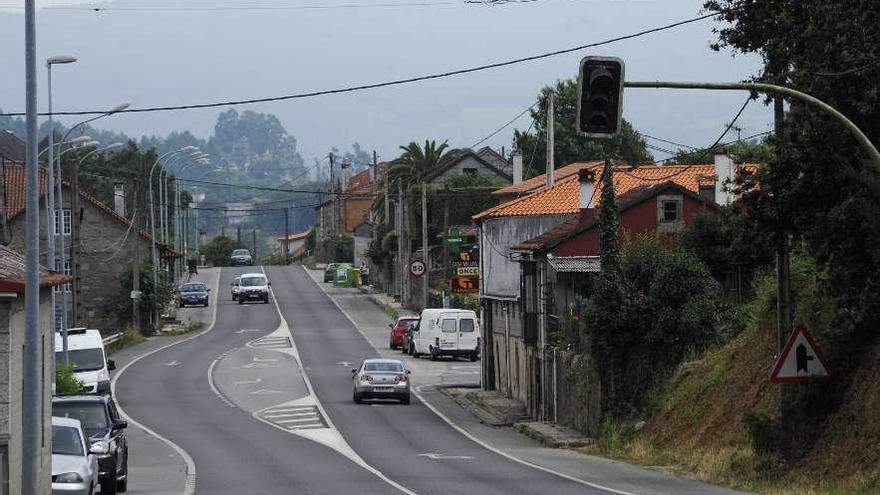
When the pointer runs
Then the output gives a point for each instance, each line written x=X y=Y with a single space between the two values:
x=91 y=415
x=66 y=441
x=241 y=252
x=384 y=366
x=83 y=359
x=194 y=288
x=253 y=281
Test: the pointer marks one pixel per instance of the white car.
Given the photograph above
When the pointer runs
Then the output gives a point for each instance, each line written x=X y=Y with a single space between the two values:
x=85 y=350
x=447 y=332
x=74 y=462
x=253 y=287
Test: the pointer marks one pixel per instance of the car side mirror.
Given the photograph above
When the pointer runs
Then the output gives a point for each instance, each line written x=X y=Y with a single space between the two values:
x=270 y=283
x=120 y=424
x=111 y=365
x=409 y=372
x=209 y=290
x=354 y=371
x=391 y=325
x=98 y=449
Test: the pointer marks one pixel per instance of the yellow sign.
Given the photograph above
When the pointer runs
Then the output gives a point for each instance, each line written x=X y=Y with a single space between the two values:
x=467 y=271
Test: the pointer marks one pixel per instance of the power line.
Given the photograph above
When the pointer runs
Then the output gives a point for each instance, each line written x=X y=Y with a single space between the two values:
x=490 y=136
x=225 y=8
x=395 y=82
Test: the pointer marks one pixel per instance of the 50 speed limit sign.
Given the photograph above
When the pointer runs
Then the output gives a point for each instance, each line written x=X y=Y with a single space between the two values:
x=417 y=267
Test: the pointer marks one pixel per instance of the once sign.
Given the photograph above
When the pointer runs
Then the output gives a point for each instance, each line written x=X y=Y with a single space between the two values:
x=468 y=271
x=417 y=267
x=801 y=360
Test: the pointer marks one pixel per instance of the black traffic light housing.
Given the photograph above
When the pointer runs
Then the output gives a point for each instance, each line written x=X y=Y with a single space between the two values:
x=600 y=96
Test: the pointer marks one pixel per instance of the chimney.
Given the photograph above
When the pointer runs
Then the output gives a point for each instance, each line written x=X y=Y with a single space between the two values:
x=724 y=177
x=346 y=176
x=587 y=181
x=517 y=168
x=119 y=199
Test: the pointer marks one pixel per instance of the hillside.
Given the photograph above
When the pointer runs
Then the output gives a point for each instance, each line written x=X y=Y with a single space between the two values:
x=701 y=427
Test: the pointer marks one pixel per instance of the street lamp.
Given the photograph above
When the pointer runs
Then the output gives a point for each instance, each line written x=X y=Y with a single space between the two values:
x=50 y=198
x=60 y=209
x=155 y=253
x=179 y=237
x=163 y=192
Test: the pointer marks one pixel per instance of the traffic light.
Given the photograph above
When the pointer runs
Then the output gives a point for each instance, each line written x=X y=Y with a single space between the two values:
x=600 y=96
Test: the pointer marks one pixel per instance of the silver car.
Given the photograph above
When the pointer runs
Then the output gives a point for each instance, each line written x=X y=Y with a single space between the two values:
x=74 y=464
x=381 y=379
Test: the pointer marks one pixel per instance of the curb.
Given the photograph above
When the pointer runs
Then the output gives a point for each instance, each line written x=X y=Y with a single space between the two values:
x=484 y=415
x=567 y=439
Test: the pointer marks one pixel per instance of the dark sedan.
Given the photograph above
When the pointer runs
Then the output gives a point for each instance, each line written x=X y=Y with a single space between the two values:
x=194 y=294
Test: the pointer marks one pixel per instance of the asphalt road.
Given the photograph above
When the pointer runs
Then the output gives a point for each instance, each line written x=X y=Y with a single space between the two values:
x=408 y=444
x=233 y=451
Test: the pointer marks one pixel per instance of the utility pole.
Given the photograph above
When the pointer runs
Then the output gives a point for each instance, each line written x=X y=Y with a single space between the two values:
x=332 y=199
x=551 y=131
x=32 y=358
x=426 y=278
x=402 y=258
x=238 y=235
x=136 y=259
x=783 y=264
x=286 y=236
x=254 y=242
x=75 y=221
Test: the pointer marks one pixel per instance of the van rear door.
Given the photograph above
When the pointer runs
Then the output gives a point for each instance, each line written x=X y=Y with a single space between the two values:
x=449 y=334
x=468 y=331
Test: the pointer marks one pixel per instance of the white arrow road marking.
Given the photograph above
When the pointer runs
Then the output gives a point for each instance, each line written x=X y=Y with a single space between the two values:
x=257 y=365
x=441 y=456
x=264 y=391
x=248 y=330
x=345 y=364
x=172 y=363
x=248 y=382
x=259 y=360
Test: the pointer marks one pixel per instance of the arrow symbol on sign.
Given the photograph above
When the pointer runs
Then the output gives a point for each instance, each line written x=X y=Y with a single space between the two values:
x=442 y=456
x=172 y=363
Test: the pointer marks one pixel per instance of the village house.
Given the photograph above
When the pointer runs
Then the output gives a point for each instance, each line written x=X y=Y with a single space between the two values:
x=294 y=244
x=107 y=240
x=12 y=335
x=535 y=251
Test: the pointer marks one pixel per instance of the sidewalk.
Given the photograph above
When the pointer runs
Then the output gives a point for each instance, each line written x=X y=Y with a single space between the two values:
x=501 y=424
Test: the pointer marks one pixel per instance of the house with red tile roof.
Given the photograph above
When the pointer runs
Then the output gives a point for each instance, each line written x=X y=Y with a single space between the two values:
x=554 y=224
x=12 y=336
x=294 y=244
x=107 y=239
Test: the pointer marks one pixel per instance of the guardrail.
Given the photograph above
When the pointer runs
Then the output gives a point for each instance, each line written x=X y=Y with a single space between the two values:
x=112 y=338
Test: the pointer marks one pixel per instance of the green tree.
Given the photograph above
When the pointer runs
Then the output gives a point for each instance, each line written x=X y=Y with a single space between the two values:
x=66 y=382
x=416 y=161
x=218 y=250
x=571 y=147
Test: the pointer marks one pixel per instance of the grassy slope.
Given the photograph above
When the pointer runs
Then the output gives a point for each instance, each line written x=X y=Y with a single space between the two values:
x=698 y=427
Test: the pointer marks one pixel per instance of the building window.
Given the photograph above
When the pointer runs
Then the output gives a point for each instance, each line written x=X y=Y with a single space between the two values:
x=67 y=222
x=670 y=215
x=67 y=271
x=469 y=171
x=671 y=211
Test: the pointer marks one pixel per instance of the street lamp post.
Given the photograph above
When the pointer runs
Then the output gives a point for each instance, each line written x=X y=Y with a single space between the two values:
x=155 y=252
x=178 y=232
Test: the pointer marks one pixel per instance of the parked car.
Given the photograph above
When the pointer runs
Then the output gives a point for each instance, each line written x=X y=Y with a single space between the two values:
x=85 y=350
x=381 y=379
x=330 y=272
x=236 y=286
x=398 y=331
x=193 y=294
x=74 y=461
x=447 y=332
x=242 y=257
x=253 y=287
x=104 y=428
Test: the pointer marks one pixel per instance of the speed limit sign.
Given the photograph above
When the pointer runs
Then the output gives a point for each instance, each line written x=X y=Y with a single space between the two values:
x=417 y=267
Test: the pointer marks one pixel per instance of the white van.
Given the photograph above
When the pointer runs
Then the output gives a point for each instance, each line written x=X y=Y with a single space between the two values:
x=85 y=349
x=447 y=332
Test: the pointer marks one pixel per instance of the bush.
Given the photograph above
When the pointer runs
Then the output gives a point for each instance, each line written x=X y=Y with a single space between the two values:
x=66 y=382
x=217 y=251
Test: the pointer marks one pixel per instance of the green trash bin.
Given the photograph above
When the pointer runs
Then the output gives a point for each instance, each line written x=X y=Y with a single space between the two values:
x=344 y=276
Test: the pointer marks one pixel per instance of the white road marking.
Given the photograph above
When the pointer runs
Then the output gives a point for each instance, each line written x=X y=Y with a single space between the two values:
x=344 y=364
x=442 y=456
x=172 y=363
x=257 y=365
x=248 y=382
x=261 y=360
x=265 y=391
x=462 y=430
x=189 y=487
x=248 y=330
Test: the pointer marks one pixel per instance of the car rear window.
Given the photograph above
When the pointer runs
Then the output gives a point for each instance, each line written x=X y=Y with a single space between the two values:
x=240 y=252
x=91 y=415
x=83 y=359
x=194 y=288
x=66 y=441
x=448 y=326
x=465 y=326
x=388 y=367
x=253 y=281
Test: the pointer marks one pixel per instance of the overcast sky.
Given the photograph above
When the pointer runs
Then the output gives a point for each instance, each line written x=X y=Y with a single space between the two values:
x=169 y=57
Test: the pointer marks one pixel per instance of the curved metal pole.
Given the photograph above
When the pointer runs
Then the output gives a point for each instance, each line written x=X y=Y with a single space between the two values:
x=860 y=136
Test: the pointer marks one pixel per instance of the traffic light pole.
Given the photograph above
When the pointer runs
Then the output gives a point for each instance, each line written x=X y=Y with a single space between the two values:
x=775 y=89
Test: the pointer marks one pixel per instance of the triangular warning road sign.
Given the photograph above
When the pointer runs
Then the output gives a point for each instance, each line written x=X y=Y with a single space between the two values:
x=801 y=360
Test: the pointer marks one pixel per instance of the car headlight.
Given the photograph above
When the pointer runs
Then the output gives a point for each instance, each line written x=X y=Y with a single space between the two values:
x=68 y=478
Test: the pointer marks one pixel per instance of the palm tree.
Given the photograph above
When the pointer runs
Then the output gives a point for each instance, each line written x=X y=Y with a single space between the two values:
x=414 y=164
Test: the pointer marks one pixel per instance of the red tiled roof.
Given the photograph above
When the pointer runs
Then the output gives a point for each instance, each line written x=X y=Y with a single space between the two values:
x=13 y=273
x=16 y=189
x=296 y=236
x=562 y=198
x=540 y=181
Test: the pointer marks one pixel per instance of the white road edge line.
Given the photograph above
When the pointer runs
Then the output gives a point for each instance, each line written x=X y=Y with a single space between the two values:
x=352 y=455
x=465 y=432
x=190 y=484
